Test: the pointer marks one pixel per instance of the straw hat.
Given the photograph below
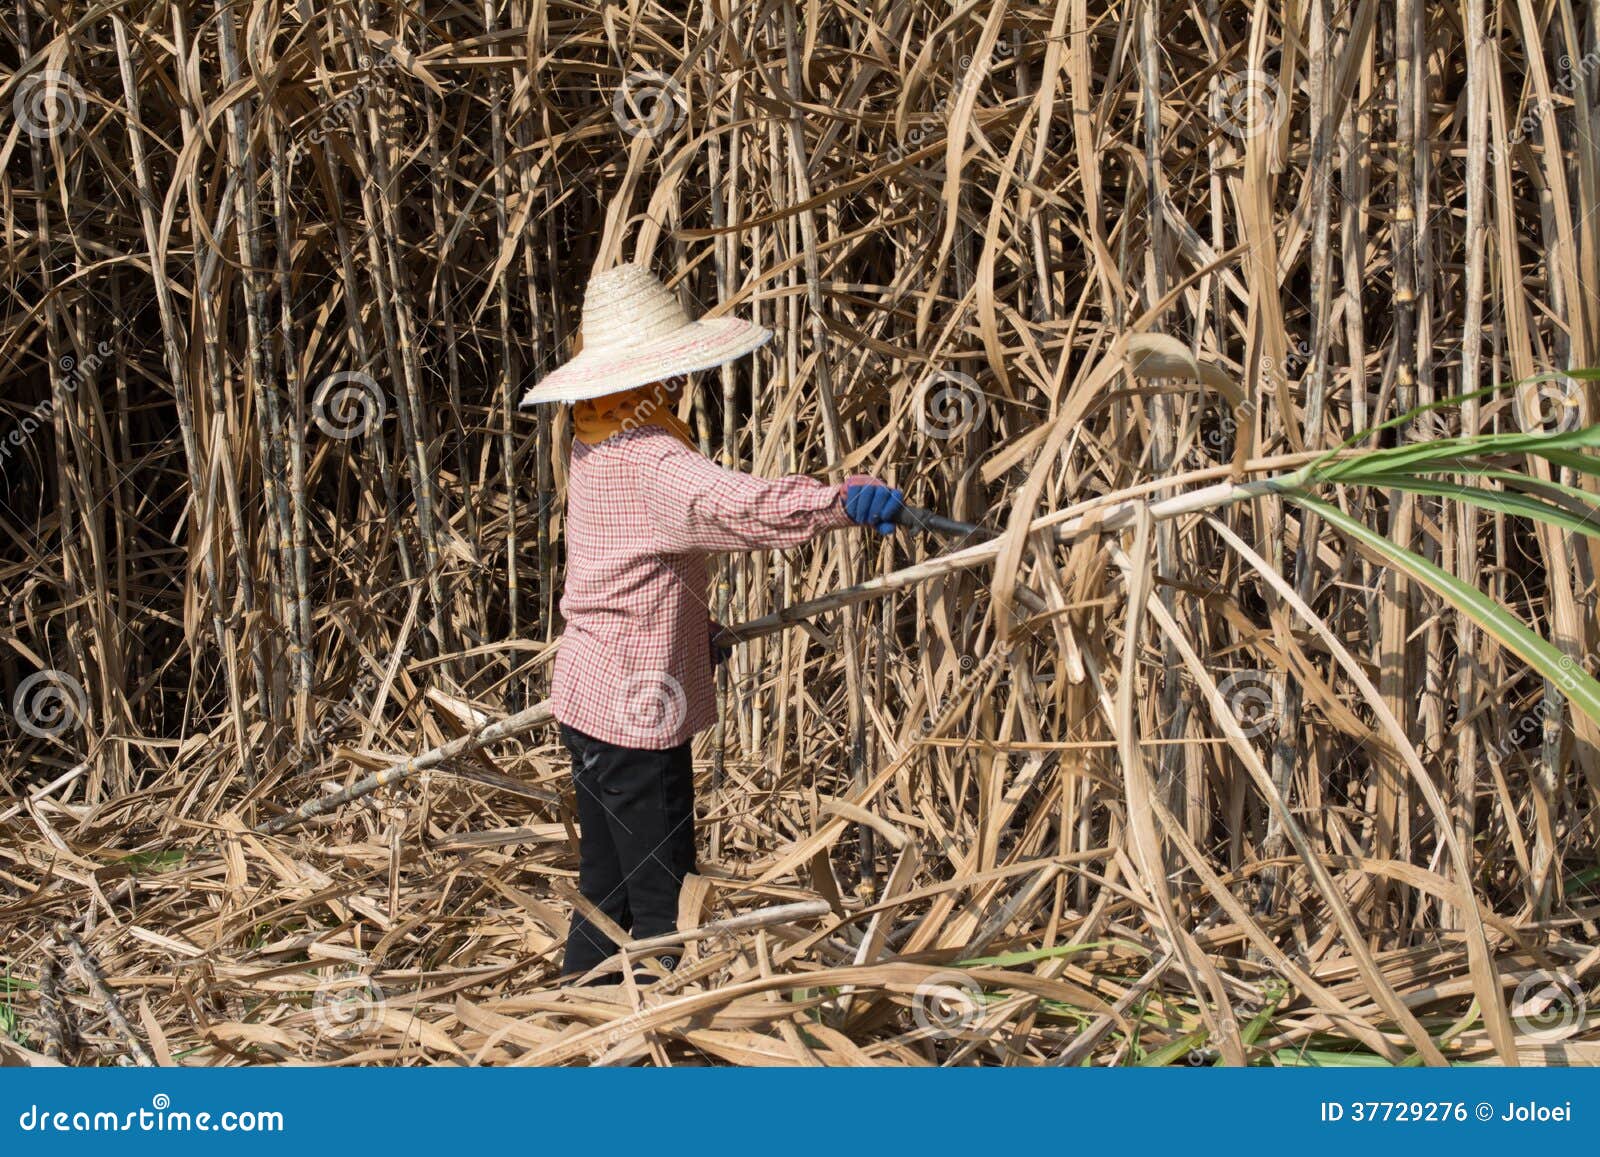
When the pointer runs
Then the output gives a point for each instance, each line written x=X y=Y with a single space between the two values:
x=634 y=333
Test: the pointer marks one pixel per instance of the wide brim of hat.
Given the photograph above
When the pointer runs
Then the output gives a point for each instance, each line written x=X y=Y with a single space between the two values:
x=700 y=345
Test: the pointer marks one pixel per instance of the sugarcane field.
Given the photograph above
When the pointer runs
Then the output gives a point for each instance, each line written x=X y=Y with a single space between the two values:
x=795 y=534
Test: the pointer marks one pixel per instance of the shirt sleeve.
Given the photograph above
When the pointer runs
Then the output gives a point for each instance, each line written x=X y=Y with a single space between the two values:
x=696 y=505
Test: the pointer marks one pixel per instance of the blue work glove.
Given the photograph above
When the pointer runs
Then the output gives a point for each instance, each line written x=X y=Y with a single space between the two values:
x=868 y=502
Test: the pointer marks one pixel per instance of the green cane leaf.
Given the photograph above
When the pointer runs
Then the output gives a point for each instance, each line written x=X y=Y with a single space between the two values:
x=1580 y=688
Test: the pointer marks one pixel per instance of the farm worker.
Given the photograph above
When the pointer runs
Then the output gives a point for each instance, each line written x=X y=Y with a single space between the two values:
x=633 y=677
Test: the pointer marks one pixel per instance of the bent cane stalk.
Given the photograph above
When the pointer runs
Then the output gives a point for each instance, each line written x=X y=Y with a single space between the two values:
x=1400 y=464
x=529 y=719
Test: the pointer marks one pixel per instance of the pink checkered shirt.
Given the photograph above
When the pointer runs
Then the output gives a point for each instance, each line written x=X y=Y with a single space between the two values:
x=643 y=512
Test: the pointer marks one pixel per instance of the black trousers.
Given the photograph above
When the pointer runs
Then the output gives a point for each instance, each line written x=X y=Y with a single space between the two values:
x=636 y=840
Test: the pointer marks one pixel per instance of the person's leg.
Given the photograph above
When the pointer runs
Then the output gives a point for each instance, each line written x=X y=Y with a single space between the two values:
x=680 y=808
x=600 y=874
x=649 y=802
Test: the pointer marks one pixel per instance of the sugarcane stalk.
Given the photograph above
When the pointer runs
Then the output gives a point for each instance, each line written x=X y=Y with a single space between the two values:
x=278 y=565
x=1474 y=17
x=1096 y=518
x=833 y=434
x=52 y=1025
x=761 y=918
x=103 y=993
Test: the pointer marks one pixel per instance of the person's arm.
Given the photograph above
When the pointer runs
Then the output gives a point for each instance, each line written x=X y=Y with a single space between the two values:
x=696 y=505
